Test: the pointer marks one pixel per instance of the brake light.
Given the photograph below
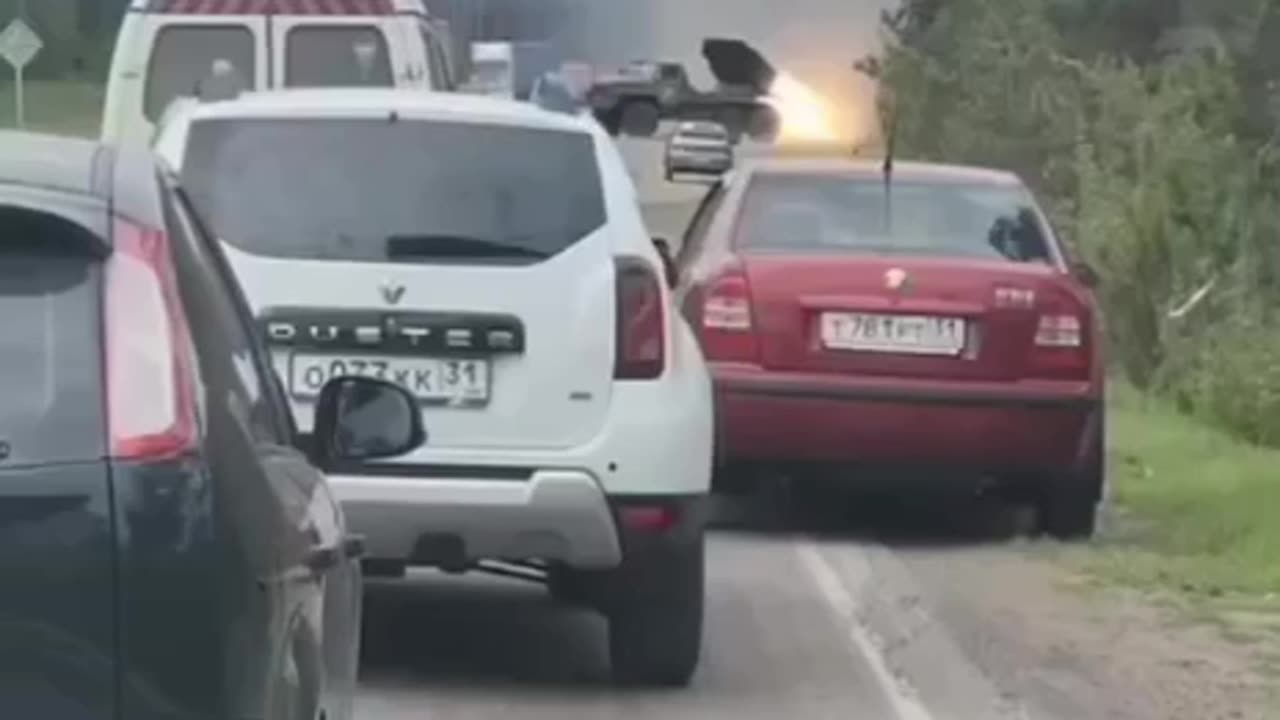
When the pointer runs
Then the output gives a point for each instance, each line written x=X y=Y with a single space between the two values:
x=728 y=328
x=1059 y=331
x=648 y=518
x=641 y=325
x=151 y=375
x=1061 y=348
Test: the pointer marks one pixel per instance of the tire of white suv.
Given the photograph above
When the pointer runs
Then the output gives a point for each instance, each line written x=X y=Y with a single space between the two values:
x=655 y=615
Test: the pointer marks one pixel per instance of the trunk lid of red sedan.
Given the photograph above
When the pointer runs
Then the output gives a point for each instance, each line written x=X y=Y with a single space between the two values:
x=937 y=275
x=897 y=316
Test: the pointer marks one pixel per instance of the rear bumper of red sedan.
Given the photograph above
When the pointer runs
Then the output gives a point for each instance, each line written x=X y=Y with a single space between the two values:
x=988 y=427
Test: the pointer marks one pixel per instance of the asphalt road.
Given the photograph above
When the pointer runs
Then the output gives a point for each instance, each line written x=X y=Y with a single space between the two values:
x=810 y=615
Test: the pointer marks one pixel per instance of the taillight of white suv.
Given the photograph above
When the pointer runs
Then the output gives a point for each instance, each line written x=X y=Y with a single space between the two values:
x=641 y=322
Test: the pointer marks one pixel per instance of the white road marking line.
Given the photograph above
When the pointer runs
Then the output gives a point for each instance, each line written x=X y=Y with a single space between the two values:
x=902 y=700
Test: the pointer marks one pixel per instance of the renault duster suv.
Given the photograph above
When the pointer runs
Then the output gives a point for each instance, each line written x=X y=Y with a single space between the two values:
x=490 y=257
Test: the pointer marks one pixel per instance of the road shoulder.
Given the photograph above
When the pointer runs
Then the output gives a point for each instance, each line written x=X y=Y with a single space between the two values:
x=1069 y=647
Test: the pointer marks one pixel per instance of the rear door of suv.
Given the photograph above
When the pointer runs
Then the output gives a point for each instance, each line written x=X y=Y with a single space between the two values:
x=57 y=602
x=469 y=260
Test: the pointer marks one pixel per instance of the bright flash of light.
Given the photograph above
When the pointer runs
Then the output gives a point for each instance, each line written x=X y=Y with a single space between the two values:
x=805 y=116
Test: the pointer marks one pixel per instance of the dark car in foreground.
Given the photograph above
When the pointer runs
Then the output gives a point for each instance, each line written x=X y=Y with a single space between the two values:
x=168 y=547
x=922 y=325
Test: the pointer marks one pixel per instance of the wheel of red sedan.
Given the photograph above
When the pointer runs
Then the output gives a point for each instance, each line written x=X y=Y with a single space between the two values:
x=1069 y=505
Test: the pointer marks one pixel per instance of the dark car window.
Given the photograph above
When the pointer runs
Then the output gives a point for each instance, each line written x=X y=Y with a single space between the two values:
x=184 y=56
x=388 y=190
x=836 y=214
x=346 y=56
x=50 y=350
x=229 y=357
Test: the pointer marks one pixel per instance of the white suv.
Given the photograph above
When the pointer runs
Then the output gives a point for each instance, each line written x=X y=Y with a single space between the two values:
x=491 y=257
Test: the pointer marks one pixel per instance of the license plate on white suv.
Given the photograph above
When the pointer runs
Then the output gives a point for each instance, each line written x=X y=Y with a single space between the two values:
x=906 y=334
x=436 y=381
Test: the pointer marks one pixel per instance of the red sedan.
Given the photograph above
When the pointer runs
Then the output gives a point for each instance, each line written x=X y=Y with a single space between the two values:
x=926 y=322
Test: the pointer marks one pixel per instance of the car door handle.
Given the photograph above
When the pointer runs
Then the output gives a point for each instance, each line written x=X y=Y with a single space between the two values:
x=318 y=561
x=353 y=546
x=324 y=558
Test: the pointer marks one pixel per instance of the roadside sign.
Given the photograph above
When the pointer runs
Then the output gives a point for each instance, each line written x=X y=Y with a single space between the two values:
x=19 y=45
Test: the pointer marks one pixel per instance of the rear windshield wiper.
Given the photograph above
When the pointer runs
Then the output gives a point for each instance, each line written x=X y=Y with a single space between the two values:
x=429 y=246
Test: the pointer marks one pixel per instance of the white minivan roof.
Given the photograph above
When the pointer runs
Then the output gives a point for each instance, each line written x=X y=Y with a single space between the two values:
x=280 y=7
x=376 y=102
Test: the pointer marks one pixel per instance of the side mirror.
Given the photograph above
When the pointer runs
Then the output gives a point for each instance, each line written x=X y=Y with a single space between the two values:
x=1085 y=273
x=361 y=419
x=668 y=261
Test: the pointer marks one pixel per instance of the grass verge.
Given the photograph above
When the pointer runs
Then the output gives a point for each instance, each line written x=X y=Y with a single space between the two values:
x=1195 y=511
x=1194 y=520
x=62 y=107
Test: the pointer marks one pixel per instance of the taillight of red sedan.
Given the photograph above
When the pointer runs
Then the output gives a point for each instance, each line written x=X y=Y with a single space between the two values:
x=1062 y=347
x=724 y=317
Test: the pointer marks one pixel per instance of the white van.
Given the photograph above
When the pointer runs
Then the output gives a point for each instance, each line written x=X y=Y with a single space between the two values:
x=167 y=48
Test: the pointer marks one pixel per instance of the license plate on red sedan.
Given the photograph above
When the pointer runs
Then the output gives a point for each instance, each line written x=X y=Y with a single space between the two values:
x=904 y=334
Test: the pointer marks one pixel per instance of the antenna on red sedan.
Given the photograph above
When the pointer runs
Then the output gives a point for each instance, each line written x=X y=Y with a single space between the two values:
x=887 y=169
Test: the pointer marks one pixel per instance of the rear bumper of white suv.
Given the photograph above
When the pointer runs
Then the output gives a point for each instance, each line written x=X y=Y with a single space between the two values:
x=553 y=515
x=455 y=506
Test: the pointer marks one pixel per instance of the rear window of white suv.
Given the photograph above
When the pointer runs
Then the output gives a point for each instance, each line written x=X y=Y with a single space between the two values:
x=390 y=189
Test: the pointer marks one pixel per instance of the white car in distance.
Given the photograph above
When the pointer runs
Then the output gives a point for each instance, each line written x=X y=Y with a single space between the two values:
x=490 y=256
x=699 y=148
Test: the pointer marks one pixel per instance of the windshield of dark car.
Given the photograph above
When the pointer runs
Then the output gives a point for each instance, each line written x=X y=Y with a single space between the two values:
x=816 y=213
x=344 y=189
